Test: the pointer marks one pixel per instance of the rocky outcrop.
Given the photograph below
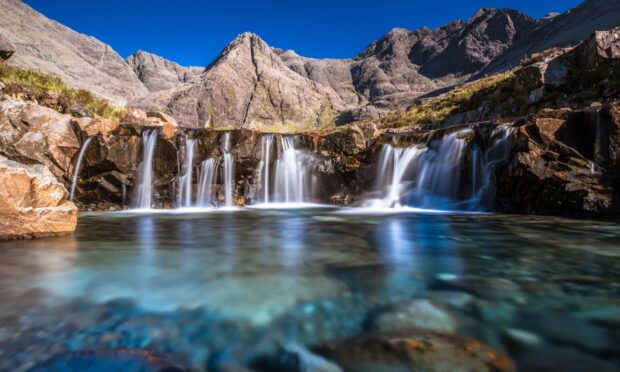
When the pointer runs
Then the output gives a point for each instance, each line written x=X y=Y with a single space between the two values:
x=35 y=134
x=79 y=60
x=6 y=48
x=158 y=73
x=32 y=202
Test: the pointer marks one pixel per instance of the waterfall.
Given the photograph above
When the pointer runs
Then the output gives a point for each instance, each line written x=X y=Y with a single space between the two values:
x=430 y=177
x=229 y=170
x=290 y=173
x=145 y=171
x=76 y=170
x=185 y=181
x=263 y=166
x=205 y=186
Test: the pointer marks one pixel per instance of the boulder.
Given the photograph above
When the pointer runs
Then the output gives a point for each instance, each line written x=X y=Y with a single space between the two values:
x=414 y=351
x=32 y=202
x=33 y=133
x=417 y=314
x=168 y=124
x=599 y=47
x=6 y=48
x=92 y=127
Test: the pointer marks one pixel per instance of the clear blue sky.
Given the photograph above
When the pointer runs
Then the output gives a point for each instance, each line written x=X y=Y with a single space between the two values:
x=194 y=32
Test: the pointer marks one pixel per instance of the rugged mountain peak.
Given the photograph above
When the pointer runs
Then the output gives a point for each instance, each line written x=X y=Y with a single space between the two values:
x=250 y=86
x=158 y=73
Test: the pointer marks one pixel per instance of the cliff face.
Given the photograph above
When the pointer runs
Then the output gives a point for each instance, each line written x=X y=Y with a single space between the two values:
x=158 y=73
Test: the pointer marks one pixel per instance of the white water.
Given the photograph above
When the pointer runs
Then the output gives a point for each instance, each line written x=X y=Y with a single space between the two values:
x=145 y=171
x=206 y=197
x=264 y=165
x=229 y=172
x=76 y=170
x=430 y=177
x=185 y=181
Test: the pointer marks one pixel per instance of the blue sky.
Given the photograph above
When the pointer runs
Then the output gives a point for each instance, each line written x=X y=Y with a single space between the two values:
x=194 y=32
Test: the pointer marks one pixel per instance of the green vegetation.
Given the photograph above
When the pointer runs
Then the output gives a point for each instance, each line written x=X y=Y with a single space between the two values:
x=52 y=92
x=463 y=98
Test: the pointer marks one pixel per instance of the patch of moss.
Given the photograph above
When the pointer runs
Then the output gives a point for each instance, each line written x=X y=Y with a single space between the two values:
x=37 y=86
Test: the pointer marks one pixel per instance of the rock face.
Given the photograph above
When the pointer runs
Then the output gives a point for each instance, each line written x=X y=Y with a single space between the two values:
x=158 y=73
x=79 y=60
x=32 y=202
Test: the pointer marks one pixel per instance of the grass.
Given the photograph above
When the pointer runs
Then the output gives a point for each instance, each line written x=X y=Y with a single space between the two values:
x=37 y=86
x=463 y=98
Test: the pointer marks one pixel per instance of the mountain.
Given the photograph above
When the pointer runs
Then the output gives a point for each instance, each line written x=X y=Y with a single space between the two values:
x=253 y=85
x=249 y=86
x=79 y=60
x=158 y=73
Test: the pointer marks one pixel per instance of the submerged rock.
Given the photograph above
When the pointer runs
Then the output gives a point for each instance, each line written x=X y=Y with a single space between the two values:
x=416 y=314
x=111 y=360
x=415 y=351
x=32 y=202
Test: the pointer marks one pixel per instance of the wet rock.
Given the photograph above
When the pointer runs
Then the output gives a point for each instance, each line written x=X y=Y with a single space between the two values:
x=566 y=330
x=416 y=314
x=111 y=360
x=418 y=351
x=291 y=359
x=551 y=359
x=32 y=202
x=518 y=339
x=488 y=288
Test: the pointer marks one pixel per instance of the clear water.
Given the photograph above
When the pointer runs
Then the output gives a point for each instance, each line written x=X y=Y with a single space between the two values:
x=219 y=283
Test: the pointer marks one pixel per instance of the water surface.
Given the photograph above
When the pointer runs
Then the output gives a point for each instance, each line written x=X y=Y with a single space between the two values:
x=201 y=285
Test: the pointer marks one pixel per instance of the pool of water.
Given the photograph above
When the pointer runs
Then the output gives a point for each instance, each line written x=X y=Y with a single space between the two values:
x=227 y=284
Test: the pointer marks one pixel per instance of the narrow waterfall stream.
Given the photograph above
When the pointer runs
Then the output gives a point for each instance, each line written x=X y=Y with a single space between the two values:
x=430 y=176
x=229 y=171
x=206 y=197
x=145 y=171
x=76 y=170
x=185 y=181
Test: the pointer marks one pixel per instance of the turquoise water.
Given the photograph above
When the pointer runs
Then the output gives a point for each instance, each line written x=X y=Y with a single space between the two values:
x=209 y=286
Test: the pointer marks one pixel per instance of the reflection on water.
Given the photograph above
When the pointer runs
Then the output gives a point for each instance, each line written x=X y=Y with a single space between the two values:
x=194 y=284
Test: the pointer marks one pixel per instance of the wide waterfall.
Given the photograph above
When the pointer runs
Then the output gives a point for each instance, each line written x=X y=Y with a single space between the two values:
x=184 y=195
x=431 y=176
x=229 y=172
x=76 y=170
x=145 y=171
x=291 y=179
x=206 y=197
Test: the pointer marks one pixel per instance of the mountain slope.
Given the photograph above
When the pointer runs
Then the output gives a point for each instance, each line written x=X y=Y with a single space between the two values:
x=158 y=73
x=79 y=60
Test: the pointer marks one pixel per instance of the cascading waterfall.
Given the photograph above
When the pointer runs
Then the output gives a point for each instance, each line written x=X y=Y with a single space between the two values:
x=76 y=170
x=430 y=177
x=145 y=171
x=185 y=181
x=229 y=170
x=291 y=180
x=208 y=170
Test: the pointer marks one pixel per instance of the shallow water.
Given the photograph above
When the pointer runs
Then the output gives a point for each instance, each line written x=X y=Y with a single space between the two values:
x=228 y=284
